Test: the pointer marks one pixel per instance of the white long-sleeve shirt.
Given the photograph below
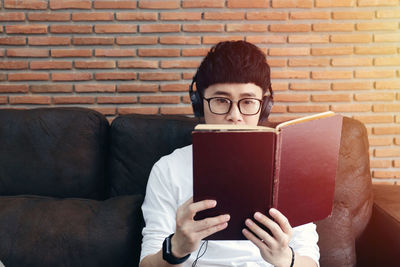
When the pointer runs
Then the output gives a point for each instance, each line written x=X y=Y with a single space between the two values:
x=170 y=184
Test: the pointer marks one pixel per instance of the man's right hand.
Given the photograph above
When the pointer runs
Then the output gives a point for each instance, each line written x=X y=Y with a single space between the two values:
x=189 y=232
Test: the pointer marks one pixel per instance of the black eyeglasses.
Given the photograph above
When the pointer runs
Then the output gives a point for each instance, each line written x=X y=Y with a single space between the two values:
x=222 y=105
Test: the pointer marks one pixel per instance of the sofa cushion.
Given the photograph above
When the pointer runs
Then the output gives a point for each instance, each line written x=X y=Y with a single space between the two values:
x=137 y=142
x=44 y=231
x=59 y=152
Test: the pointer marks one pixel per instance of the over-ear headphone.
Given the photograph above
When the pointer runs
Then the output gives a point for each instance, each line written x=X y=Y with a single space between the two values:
x=197 y=102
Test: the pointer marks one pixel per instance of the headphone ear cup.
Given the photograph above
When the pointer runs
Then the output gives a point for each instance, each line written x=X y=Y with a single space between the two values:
x=266 y=107
x=197 y=103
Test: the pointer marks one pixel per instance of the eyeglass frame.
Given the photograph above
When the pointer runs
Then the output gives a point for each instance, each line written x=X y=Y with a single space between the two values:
x=230 y=105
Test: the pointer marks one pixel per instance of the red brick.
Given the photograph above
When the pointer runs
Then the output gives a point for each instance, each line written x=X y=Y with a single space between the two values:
x=217 y=39
x=307 y=109
x=388 y=14
x=306 y=39
x=116 y=76
x=27 y=52
x=289 y=74
x=128 y=88
x=12 y=41
x=73 y=100
x=13 y=88
x=334 y=51
x=25 y=4
x=377 y=26
x=153 y=4
x=353 y=15
x=106 y=111
x=310 y=86
x=354 y=61
x=194 y=52
x=387 y=37
x=397 y=141
x=352 y=86
x=292 y=3
x=364 y=3
x=138 y=110
x=280 y=86
x=396 y=163
x=351 y=107
x=28 y=76
x=93 y=40
x=270 y=39
x=138 y=64
x=375 y=74
x=36 y=40
x=47 y=16
x=12 y=16
x=115 y=28
x=291 y=98
x=333 y=27
x=387 y=61
x=93 y=16
x=102 y=4
x=224 y=15
x=387 y=84
x=375 y=119
x=277 y=62
x=180 y=40
x=134 y=16
x=386 y=108
x=246 y=28
x=351 y=38
x=334 y=3
x=310 y=15
x=158 y=52
x=74 y=76
x=176 y=110
x=368 y=50
x=168 y=64
x=258 y=15
x=26 y=29
x=312 y=62
x=150 y=28
x=35 y=100
x=186 y=99
x=71 y=28
x=159 y=99
x=387 y=152
x=203 y=28
x=70 y=4
x=202 y=3
x=377 y=141
x=3 y=99
x=116 y=99
x=323 y=75
x=331 y=98
x=159 y=76
x=289 y=27
x=135 y=40
x=381 y=96
x=46 y=65
x=71 y=53
x=3 y=76
x=180 y=16
x=115 y=52
x=95 y=88
x=290 y=51
x=51 y=88
x=386 y=174
x=247 y=4
x=174 y=87
x=94 y=64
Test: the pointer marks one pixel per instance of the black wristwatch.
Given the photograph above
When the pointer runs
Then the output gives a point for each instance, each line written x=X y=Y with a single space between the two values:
x=167 y=252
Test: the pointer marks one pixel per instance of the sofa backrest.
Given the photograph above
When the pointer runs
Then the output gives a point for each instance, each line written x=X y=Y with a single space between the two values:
x=58 y=152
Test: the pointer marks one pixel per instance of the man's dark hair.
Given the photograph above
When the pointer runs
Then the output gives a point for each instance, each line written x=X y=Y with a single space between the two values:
x=233 y=62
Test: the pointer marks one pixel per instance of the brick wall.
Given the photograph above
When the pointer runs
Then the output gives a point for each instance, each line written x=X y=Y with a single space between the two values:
x=139 y=56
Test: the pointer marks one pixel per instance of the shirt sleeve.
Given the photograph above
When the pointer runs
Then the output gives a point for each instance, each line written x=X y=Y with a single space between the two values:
x=304 y=241
x=159 y=211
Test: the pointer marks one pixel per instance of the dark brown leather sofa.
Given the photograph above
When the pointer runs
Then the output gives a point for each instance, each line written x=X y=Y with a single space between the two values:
x=71 y=187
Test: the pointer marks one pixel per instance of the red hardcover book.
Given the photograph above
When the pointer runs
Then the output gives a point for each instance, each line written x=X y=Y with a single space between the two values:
x=246 y=169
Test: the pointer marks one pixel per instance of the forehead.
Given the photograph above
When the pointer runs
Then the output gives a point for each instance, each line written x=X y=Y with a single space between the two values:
x=233 y=90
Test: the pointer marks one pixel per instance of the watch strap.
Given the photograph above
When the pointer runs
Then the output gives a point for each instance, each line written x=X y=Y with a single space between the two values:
x=167 y=252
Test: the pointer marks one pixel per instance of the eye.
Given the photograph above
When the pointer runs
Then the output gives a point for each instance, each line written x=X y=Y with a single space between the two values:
x=222 y=100
x=249 y=101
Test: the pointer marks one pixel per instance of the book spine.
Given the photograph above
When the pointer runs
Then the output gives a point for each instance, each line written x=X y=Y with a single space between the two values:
x=277 y=168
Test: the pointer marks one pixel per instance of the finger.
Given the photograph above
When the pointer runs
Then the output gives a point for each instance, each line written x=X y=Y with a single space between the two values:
x=201 y=205
x=271 y=225
x=255 y=240
x=260 y=233
x=281 y=220
x=211 y=230
x=210 y=222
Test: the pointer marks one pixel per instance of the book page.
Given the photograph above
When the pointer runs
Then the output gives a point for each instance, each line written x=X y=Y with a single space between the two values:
x=306 y=118
x=232 y=127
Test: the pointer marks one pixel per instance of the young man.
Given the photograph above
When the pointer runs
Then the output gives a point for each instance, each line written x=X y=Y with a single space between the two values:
x=233 y=87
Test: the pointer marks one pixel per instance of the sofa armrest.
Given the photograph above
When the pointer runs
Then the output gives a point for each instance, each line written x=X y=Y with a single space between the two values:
x=379 y=245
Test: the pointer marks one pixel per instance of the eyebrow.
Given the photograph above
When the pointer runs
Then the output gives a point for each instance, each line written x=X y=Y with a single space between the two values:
x=228 y=94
